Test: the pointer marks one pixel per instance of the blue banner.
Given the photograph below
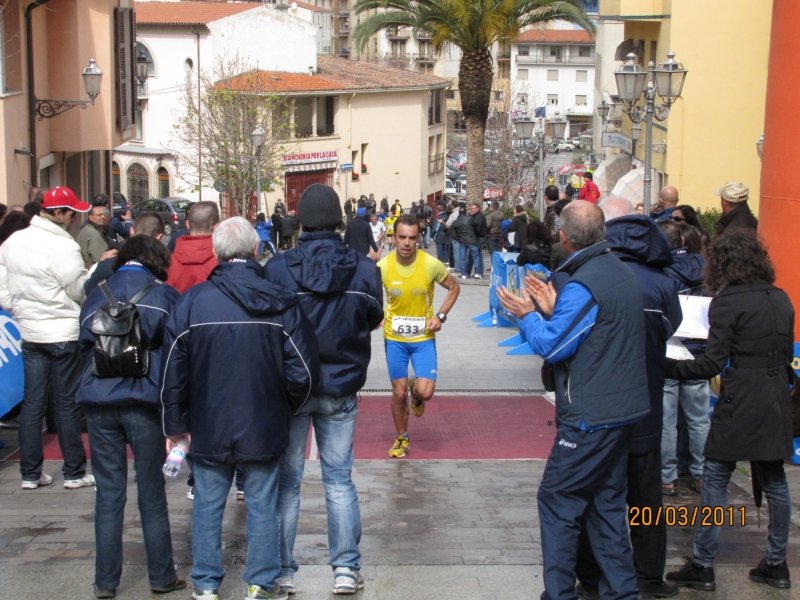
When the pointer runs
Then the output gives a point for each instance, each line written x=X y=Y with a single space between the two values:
x=502 y=264
x=12 y=374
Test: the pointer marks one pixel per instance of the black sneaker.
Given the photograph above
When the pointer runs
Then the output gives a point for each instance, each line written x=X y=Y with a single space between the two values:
x=663 y=589
x=178 y=584
x=98 y=593
x=694 y=576
x=775 y=575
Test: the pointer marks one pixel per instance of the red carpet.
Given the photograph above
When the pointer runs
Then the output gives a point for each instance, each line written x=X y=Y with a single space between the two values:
x=452 y=428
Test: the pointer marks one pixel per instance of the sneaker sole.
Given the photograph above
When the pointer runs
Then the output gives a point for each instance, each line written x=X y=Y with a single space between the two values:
x=72 y=486
x=696 y=585
x=396 y=455
x=348 y=591
x=783 y=584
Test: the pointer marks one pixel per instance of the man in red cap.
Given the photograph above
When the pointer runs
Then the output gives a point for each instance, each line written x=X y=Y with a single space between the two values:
x=41 y=284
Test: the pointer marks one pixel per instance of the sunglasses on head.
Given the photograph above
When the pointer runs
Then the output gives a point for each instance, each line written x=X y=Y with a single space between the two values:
x=678 y=219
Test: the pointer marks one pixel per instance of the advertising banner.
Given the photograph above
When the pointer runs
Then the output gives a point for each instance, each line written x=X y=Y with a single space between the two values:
x=12 y=375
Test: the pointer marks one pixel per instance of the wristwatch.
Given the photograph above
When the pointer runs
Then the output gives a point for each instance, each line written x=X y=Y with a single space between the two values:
x=442 y=317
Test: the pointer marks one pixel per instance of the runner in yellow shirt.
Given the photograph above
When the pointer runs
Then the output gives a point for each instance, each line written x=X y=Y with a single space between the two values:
x=389 y=222
x=410 y=324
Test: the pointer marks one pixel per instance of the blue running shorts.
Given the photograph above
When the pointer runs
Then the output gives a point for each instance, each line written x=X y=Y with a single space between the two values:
x=421 y=354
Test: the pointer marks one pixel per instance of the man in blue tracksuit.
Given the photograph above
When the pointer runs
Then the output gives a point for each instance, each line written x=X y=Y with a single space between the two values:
x=593 y=334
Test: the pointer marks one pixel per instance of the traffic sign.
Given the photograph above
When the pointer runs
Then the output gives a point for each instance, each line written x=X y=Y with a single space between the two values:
x=346 y=167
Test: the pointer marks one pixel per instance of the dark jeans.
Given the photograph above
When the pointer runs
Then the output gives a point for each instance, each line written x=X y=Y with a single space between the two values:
x=649 y=543
x=585 y=480
x=443 y=251
x=493 y=245
x=111 y=428
x=63 y=362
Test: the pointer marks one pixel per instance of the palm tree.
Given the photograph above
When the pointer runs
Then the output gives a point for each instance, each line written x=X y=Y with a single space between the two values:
x=473 y=26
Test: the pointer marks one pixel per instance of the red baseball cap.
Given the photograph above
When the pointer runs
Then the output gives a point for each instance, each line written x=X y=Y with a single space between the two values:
x=62 y=197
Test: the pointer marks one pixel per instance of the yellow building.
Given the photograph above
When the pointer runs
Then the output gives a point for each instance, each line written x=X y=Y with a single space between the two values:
x=709 y=137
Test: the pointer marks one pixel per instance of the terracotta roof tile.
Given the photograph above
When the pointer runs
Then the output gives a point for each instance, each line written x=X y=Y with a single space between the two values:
x=338 y=74
x=188 y=13
x=555 y=36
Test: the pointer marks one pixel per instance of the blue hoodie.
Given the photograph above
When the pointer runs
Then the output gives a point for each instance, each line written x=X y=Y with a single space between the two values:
x=340 y=291
x=687 y=269
x=240 y=356
x=640 y=244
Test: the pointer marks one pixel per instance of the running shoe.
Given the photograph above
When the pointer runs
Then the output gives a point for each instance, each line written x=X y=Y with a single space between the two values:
x=85 y=481
x=417 y=405
x=44 y=479
x=258 y=592
x=240 y=496
x=346 y=581
x=401 y=446
x=205 y=594
x=190 y=493
x=286 y=583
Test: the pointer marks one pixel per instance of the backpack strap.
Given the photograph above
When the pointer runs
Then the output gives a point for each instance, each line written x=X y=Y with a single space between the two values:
x=112 y=299
x=144 y=291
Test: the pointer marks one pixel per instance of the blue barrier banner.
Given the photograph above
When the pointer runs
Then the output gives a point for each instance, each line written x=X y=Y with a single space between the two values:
x=539 y=271
x=502 y=262
x=12 y=374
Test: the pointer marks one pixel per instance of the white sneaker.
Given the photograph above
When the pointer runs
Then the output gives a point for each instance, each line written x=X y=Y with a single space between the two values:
x=190 y=493
x=346 y=581
x=44 y=479
x=464 y=277
x=286 y=583
x=205 y=594
x=85 y=481
x=478 y=276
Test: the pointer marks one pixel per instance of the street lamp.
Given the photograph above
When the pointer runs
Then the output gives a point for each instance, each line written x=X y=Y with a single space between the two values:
x=524 y=130
x=760 y=145
x=257 y=138
x=92 y=78
x=142 y=68
x=667 y=81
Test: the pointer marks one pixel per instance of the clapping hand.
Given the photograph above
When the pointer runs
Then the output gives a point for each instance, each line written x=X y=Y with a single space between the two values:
x=519 y=307
x=544 y=293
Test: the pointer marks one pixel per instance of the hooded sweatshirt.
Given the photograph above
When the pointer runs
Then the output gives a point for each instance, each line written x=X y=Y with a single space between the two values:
x=240 y=357
x=687 y=270
x=638 y=242
x=341 y=293
x=192 y=261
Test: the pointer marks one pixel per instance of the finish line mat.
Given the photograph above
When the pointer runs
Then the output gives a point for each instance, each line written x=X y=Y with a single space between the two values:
x=454 y=427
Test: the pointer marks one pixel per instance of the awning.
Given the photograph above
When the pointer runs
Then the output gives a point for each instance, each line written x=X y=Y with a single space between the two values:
x=320 y=166
x=631 y=186
x=611 y=170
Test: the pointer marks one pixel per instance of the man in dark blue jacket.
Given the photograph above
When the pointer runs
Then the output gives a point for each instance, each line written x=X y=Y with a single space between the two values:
x=240 y=357
x=638 y=242
x=593 y=333
x=340 y=291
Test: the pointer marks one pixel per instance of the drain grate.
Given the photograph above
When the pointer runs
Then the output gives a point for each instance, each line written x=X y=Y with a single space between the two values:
x=464 y=391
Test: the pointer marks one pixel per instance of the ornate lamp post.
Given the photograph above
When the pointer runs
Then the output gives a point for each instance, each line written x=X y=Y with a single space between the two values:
x=666 y=80
x=142 y=69
x=92 y=77
x=524 y=130
x=257 y=138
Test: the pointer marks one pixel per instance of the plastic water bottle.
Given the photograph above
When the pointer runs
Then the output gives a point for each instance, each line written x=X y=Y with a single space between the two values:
x=494 y=317
x=175 y=458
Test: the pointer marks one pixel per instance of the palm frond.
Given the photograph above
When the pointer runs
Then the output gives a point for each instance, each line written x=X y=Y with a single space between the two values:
x=383 y=20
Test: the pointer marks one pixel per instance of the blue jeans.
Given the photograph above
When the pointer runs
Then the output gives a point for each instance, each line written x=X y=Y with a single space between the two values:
x=61 y=361
x=493 y=244
x=111 y=428
x=457 y=254
x=471 y=251
x=693 y=397
x=716 y=475
x=427 y=236
x=212 y=484
x=270 y=246
x=442 y=252
x=334 y=420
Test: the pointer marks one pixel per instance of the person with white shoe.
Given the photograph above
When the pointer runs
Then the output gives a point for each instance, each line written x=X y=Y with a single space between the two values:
x=41 y=284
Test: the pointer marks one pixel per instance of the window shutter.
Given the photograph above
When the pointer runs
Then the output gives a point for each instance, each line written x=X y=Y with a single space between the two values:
x=125 y=56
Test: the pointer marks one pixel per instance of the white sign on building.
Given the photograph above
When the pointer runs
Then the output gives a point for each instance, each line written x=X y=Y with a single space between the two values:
x=617 y=140
x=310 y=157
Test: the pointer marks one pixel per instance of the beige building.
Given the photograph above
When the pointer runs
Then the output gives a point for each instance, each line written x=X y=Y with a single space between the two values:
x=363 y=128
x=44 y=145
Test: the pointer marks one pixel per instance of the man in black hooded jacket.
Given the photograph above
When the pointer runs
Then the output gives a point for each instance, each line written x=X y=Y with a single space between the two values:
x=638 y=242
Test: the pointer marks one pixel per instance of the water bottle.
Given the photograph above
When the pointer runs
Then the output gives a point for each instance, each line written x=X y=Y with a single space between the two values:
x=175 y=458
x=494 y=317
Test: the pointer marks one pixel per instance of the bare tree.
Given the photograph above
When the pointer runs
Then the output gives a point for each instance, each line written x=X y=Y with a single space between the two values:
x=211 y=138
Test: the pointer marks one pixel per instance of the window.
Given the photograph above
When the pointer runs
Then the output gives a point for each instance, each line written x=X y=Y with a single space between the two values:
x=555 y=53
x=125 y=56
x=552 y=75
x=10 y=48
x=139 y=118
x=580 y=100
x=450 y=94
x=581 y=76
x=364 y=159
x=163 y=183
x=303 y=113
x=138 y=184
x=522 y=98
x=552 y=98
x=504 y=70
x=584 y=51
x=115 y=176
x=522 y=73
x=524 y=50
x=326 y=116
x=141 y=89
x=499 y=95
x=435 y=107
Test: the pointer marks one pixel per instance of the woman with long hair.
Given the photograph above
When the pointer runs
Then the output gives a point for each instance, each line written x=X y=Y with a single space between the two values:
x=538 y=247
x=124 y=411
x=751 y=342
x=686 y=215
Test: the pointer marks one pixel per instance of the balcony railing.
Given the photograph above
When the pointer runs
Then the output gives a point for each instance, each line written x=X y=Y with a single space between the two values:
x=538 y=58
x=423 y=35
x=395 y=33
x=344 y=31
x=397 y=56
x=425 y=56
x=504 y=55
x=326 y=130
x=436 y=163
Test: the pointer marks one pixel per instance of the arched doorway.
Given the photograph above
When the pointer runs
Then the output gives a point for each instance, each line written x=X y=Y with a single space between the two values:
x=138 y=184
x=163 y=183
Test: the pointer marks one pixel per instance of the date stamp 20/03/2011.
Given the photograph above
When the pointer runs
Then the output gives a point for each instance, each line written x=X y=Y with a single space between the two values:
x=687 y=516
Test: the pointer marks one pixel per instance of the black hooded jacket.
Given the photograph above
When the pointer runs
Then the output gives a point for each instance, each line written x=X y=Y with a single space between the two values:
x=687 y=270
x=638 y=242
x=341 y=293
x=240 y=357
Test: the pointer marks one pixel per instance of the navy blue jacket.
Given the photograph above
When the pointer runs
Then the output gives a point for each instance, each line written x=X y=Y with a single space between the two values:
x=688 y=270
x=154 y=309
x=342 y=295
x=640 y=244
x=358 y=236
x=240 y=356
x=103 y=270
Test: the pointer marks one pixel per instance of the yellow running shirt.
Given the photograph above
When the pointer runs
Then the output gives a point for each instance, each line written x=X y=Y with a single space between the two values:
x=389 y=222
x=409 y=296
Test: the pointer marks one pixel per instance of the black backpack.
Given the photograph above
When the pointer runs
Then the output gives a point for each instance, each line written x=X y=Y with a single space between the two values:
x=118 y=349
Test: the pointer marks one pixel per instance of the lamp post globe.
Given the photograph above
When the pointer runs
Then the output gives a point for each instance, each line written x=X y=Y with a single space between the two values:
x=142 y=67
x=669 y=77
x=636 y=132
x=257 y=137
x=602 y=110
x=631 y=79
x=524 y=128
x=92 y=78
x=558 y=127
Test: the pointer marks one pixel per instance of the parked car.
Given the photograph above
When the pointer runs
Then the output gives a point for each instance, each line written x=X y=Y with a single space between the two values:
x=566 y=145
x=119 y=205
x=576 y=141
x=449 y=188
x=171 y=210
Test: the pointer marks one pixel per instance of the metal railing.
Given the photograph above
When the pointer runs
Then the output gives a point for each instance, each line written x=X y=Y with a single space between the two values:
x=426 y=54
x=540 y=58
